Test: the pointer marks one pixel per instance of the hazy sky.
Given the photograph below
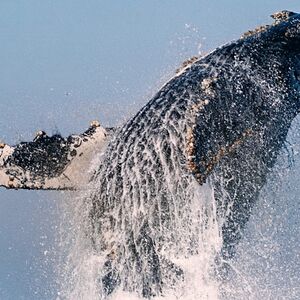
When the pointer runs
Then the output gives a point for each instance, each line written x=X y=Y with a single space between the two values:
x=64 y=63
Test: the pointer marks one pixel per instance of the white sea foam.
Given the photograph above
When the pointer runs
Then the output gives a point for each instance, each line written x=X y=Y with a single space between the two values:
x=81 y=267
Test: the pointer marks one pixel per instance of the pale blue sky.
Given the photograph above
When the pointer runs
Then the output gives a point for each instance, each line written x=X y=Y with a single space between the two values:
x=66 y=62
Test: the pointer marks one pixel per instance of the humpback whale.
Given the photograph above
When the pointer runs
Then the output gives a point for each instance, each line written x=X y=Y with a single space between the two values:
x=221 y=120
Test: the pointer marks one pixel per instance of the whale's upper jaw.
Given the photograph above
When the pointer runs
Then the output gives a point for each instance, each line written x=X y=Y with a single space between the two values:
x=287 y=25
x=285 y=28
x=283 y=33
x=287 y=33
x=277 y=47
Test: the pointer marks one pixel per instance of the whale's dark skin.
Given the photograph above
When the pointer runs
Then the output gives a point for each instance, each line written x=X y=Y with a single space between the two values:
x=223 y=119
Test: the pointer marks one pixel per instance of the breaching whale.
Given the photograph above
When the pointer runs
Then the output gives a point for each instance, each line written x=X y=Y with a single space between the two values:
x=222 y=118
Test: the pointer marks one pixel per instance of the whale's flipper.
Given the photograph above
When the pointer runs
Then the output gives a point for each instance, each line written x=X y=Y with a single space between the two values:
x=52 y=162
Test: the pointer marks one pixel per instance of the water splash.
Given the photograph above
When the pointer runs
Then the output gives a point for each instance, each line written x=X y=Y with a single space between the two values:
x=262 y=267
x=83 y=265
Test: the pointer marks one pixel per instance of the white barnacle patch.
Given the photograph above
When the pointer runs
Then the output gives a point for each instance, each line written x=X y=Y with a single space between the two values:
x=282 y=16
x=186 y=64
x=95 y=124
x=257 y=30
x=5 y=152
x=197 y=107
x=207 y=85
x=11 y=184
x=39 y=134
